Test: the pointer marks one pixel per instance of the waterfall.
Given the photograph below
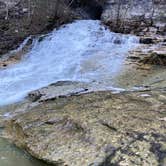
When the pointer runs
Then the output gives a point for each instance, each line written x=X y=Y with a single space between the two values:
x=81 y=51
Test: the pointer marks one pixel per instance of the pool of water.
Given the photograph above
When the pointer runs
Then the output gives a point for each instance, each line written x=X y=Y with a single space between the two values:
x=10 y=155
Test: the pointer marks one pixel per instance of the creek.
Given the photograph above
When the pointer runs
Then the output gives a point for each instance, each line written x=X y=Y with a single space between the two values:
x=84 y=51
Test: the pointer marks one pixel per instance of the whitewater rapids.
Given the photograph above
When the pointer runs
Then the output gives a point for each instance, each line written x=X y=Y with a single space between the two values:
x=81 y=51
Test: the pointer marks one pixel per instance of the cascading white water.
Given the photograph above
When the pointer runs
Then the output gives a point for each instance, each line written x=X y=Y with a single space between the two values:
x=84 y=50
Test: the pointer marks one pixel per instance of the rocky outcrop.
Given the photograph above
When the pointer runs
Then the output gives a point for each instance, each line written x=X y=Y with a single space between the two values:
x=98 y=129
x=155 y=58
x=135 y=16
x=153 y=51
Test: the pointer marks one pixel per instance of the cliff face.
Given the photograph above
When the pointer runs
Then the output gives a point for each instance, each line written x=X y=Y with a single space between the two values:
x=136 y=16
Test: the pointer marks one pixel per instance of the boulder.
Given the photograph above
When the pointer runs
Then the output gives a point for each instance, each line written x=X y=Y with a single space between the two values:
x=95 y=129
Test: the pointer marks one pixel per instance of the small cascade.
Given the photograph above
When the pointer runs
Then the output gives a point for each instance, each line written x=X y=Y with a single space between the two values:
x=81 y=51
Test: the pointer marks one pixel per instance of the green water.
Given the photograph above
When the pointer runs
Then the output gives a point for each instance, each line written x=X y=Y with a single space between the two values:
x=10 y=155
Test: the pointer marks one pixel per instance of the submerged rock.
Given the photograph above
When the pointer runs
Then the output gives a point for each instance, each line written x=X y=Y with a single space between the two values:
x=98 y=128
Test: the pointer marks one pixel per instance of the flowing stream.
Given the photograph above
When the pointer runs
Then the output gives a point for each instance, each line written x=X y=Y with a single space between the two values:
x=83 y=51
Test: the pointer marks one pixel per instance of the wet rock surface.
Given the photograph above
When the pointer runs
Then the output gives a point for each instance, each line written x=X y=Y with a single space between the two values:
x=156 y=58
x=142 y=69
x=15 y=56
x=154 y=54
x=57 y=90
x=153 y=51
x=98 y=128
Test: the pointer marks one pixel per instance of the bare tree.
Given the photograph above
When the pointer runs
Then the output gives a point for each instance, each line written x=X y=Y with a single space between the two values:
x=9 y=4
x=29 y=9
